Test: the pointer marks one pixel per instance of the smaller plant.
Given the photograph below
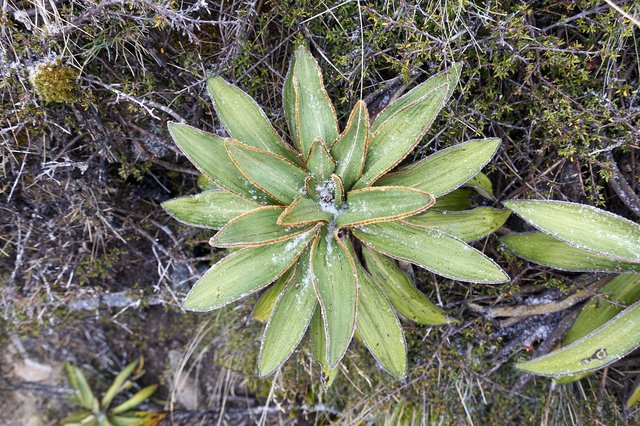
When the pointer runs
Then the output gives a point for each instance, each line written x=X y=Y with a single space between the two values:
x=55 y=82
x=98 y=412
x=580 y=238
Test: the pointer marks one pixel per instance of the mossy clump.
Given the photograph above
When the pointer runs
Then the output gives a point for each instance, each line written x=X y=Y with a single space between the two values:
x=55 y=82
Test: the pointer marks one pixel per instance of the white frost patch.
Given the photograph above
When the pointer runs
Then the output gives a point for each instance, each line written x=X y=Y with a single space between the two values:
x=539 y=300
x=539 y=333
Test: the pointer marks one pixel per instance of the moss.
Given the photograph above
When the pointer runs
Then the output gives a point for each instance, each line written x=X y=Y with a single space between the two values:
x=56 y=83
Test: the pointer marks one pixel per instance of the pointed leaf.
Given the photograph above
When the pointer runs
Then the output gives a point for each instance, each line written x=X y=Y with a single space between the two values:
x=335 y=281
x=315 y=115
x=319 y=340
x=245 y=120
x=209 y=209
x=206 y=151
x=77 y=381
x=265 y=305
x=482 y=185
x=274 y=175
x=433 y=250
x=378 y=325
x=460 y=199
x=135 y=400
x=320 y=163
x=397 y=137
x=255 y=228
x=545 y=250
x=116 y=386
x=385 y=203
x=583 y=226
x=399 y=288
x=450 y=77
x=338 y=190
x=467 y=225
x=622 y=291
x=244 y=272
x=289 y=102
x=350 y=148
x=446 y=170
x=289 y=320
x=303 y=211
x=608 y=343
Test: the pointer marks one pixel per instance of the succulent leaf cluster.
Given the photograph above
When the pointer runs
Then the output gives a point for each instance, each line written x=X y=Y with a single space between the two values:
x=101 y=411
x=325 y=220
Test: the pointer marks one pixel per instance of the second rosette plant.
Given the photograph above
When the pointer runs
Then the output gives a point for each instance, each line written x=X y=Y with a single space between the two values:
x=323 y=221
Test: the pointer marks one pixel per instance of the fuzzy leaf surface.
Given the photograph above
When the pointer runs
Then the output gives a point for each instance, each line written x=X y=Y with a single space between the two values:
x=350 y=148
x=546 y=250
x=209 y=209
x=446 y=170
x=244 y=272
x=302 y=211
x=467 y=225
x=379 y=327
x=315 y=115
x=319 y=341
x=608 y=343
x=335 y=281
x=397 y=286
x=275 y=175
x=397 y=137
x=254 y=228
x=207 y=152
x=384 y=203
x=245 y=120
x=289 y=319
x=583 y=227
x=433 y=250
x=449 y=77
x=267 y=301
x=320 y=163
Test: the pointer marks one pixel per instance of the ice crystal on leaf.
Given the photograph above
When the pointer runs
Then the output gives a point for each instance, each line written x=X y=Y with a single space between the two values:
x=327 y=210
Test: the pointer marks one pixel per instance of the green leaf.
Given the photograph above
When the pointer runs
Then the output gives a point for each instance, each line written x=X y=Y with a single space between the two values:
x=482 y=185
x=255 y=228
x=608 y=343
x=206 y=151
x=350 y=148
x=274 y=175
x=449 y=77
x=126 y=420
x=210 y=209
x=320 y=163
x=385 y=203
x=245 y=120
x=583 y=227
x=118 y=382
x=315 y=115
x=289 y=319
x=77 y=381
x=206 y=184
x=467 y=225
x=446 y=170
x=289 y=101
x=397 y=137
x=338 y=190
x=546 y=250
x=244 y=272
x=319 y=340
x=335 y=281
x=378 y=325
x=399 y=288
x=303 y=211
x=622 y=291
x=460 y=199
x=433 y=250
x=135 y=400
x=264 y=307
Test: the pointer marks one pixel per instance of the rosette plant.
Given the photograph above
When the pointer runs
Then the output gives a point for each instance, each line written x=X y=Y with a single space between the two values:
x=323 y=220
